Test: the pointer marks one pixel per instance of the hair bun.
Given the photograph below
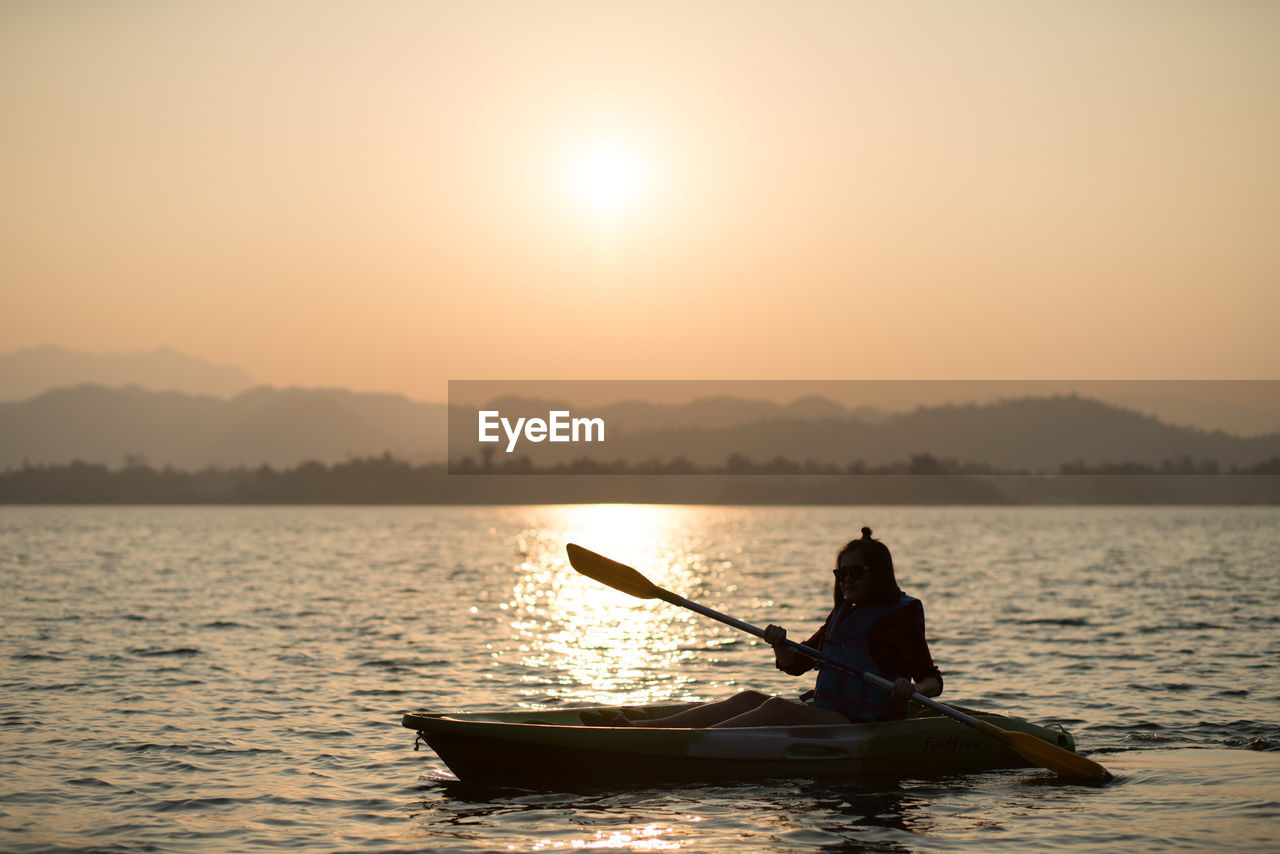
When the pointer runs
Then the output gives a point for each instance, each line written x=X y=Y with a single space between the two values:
x=866 y=532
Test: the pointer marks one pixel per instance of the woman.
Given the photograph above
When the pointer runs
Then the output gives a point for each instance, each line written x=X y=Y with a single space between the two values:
x=874 y=627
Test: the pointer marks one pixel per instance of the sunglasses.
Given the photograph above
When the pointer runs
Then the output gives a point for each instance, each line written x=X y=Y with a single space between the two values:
x=843 y=572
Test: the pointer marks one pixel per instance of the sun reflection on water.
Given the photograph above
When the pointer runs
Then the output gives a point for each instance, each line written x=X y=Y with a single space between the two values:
x=647 y=838
x=583 y=643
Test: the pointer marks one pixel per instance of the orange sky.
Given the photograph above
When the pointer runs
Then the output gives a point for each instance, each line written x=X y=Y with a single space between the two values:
x=388 y=195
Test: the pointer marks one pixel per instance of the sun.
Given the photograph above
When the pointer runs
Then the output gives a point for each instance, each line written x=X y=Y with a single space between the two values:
x=607 y=178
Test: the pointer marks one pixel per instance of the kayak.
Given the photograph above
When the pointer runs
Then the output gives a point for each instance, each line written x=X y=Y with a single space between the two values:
x=553 y=749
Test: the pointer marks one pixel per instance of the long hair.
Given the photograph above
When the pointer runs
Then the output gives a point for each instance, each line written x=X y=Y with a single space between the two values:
x=875 y=554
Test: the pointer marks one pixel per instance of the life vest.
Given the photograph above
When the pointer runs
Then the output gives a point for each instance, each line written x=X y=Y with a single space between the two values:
x=846 y=639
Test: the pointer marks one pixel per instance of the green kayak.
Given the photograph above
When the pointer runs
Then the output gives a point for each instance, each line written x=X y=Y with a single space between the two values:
x=552 y=749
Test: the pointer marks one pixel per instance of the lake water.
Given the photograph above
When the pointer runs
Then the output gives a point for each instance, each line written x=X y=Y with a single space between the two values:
x=232 y=679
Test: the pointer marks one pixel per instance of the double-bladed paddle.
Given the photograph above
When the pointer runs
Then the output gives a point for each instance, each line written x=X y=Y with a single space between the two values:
x=619 y=576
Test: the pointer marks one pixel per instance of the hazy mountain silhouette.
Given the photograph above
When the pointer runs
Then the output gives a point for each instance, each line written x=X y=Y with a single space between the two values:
x=35 y=370
x=1241 y=407
x=283 y=427
x=279 y=427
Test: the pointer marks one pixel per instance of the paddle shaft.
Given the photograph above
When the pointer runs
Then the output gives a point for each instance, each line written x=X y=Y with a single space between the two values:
x=819 y=655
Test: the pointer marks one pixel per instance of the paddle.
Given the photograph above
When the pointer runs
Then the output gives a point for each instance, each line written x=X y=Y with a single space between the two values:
x=1035 y=750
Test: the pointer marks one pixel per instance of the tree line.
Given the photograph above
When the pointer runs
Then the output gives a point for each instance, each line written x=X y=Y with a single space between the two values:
x=923 y=478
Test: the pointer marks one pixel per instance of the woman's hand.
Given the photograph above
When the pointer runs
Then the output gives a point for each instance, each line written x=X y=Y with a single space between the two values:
x=784 y=657
x=903 y=688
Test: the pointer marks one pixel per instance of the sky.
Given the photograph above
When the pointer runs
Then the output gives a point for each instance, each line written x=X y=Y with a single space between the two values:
x=388 y=195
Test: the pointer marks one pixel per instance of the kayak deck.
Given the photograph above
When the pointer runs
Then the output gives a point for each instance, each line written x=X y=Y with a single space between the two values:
x=552 y=749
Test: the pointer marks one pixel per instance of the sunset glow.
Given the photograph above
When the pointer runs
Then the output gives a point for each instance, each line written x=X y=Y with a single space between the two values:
x=456 y=189
x=607 y=178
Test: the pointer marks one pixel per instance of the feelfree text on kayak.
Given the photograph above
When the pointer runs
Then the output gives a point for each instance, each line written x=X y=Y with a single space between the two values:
x=558 y=426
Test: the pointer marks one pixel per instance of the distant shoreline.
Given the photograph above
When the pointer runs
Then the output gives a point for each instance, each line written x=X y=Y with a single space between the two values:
x=386 y=481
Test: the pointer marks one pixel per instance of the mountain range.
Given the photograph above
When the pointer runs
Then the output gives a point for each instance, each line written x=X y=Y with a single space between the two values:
x=168 y=408
x=1240 y=407
x=278 y=427
x=284 y=427
x=34 y=370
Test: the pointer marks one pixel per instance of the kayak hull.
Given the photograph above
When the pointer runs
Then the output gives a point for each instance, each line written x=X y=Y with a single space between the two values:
x=553 y=750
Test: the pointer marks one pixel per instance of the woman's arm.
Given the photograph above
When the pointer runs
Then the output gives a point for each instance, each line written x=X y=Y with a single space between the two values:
x=899 y=646
x=787 y=659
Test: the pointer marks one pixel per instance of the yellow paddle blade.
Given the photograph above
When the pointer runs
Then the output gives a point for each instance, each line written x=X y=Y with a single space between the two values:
x=619 y=576
x=1050 y=756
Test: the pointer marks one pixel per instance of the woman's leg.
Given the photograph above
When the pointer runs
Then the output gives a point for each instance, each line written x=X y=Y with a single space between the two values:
x=710 y=714
x=775 y=711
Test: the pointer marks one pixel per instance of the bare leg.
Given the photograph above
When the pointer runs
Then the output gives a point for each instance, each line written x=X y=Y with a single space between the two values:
x=775 y=711
x=710 y=714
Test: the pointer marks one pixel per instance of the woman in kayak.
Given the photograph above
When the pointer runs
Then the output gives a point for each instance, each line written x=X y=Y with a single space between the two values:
x=874 y=627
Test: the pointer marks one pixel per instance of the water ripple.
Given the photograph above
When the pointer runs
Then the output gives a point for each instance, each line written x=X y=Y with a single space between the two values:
x=214 y=679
